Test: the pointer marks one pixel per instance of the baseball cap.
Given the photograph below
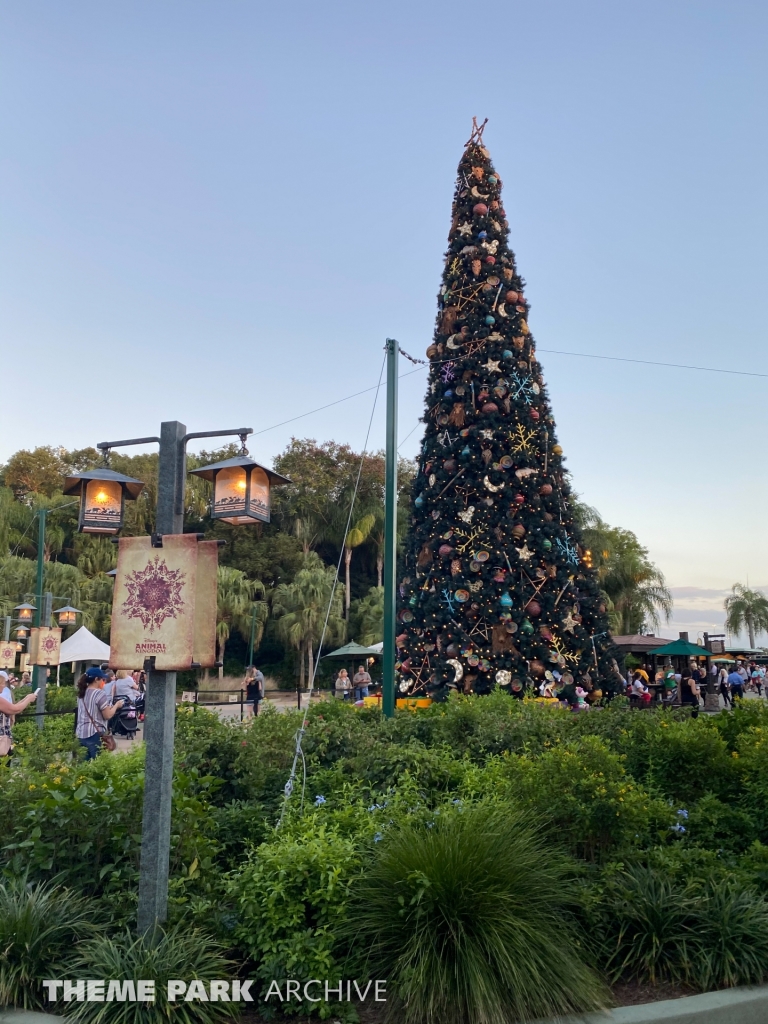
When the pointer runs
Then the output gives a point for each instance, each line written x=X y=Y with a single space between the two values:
x=3 y=675
x=96 y=673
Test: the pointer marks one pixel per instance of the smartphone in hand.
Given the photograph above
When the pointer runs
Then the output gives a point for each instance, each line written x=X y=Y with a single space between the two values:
x=36 y=692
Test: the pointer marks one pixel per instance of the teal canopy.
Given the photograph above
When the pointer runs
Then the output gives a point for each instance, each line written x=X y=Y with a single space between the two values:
x=682 y=649
x=353 y=650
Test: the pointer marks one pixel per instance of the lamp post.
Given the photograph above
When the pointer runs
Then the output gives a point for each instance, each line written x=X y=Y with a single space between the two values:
x=161 y=686
x=390 y=534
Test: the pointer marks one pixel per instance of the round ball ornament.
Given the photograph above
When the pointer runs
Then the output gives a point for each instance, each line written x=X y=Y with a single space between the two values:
x=461 y=596
x=452 y=650
x=505 y=355
x=480 y=209
x=482 y=556
x=546 y=544
x=445 y=550
x=406 y=616
x=503 y=677
x=492 y=179
x=505 y=600
x=488 y=408
x=534 y=609
x=465 y=453
x=490 y=260
x=534 y=414
x=473 y=660
x=506 y=462
x=519 y=499
x=418 y=501
x=545 y=489
x=557 y=449
x=450 y=465
x=518 y=531
x=511 y=626
x=431 y=351
x=490 y=320
x=512 y=297
x=537 y=667
x=482 y=234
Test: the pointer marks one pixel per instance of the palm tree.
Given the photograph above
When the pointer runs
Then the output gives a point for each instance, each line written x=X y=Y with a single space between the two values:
x=235 y=595
x=367 y=617
x=745 y=608
x=301 y=607
x=94 y=555
x=356 y=536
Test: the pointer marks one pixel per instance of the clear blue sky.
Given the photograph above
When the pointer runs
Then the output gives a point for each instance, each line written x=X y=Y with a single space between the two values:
x=217 y=211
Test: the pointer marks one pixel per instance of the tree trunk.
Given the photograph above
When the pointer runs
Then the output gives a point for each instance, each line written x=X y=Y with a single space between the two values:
x=301 y=667
x=347 y=563
x=751 y=629
x=221 y=659
x=379 y=568
x=311 y=661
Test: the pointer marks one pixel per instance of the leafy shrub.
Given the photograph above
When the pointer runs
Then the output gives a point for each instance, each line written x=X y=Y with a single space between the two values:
x=468 y=920
x=290 y=899
x=38 y=926
x=583 y=789
x=648 y=927
x=179 y=953
x=720 y=827
x=732 y=936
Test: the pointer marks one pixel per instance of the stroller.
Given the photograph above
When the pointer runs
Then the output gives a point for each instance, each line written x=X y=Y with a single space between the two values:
x=125 y=721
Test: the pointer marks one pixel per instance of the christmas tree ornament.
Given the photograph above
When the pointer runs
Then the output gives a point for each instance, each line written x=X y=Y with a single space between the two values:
x=489 y=422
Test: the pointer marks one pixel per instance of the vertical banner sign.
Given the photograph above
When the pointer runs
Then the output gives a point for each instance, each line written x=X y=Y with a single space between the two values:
x=44 y=646
x=155 y=600
x=7 y=654
x=204 y=645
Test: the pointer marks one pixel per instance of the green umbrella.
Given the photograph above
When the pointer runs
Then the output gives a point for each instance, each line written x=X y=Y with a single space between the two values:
x=681 y=649
x=352 y=650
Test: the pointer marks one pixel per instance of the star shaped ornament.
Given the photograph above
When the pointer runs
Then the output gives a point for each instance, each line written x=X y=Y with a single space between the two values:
x=525 y=553
x=569 y=623
x=492 y=366
x=465 y=229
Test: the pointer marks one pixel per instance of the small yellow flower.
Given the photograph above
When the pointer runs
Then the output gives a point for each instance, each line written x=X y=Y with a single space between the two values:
x=57 y=779
x=33 y=786
x=734 y=754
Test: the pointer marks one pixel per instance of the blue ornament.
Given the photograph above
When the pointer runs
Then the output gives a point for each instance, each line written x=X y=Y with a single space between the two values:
x=505 y=600
x=507 y=354
x=492 y=179
x=449 y=393
x=482 y=234
x=490 y=319
x=419 y=501
x=465 y=452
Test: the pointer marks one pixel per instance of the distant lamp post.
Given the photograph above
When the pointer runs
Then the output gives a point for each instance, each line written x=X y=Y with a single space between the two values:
x=241 y=489
x=22 y=632
x=67 y=615
x=102 y=498
x=24 y=613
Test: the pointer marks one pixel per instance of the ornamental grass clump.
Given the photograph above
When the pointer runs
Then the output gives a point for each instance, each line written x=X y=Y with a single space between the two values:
x=178 y=953
x=38 y=926
x=467 y=918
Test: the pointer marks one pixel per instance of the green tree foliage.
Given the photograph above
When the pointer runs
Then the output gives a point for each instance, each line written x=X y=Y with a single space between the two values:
x=301 y=607
x=746 y=609
x=236 y=598
x=366 y=619
x=634 y=588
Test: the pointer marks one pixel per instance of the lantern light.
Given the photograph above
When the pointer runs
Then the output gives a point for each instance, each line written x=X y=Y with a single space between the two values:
x=21 y=632
x=102 y=498
x=25 y=612
x=241 y=489
x=67 y=615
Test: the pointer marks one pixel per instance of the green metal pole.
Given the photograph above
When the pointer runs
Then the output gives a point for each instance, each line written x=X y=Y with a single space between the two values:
x=39 y=672
x=253 y=637
x=390 y=534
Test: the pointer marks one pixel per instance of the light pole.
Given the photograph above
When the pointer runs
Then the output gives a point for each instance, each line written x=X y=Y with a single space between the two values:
x=390 y=534
x=250 y=503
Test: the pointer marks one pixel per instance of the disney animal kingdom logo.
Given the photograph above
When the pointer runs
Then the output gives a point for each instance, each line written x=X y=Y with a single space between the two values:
x=154 y=594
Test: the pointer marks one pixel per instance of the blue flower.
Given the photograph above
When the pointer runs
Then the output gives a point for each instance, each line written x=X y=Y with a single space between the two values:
x=682 y=814
x=677 y=828
x=319 y=800
x=378 y=837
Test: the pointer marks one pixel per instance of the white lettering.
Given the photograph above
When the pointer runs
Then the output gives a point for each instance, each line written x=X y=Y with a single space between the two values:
x=76 y=991
x=241 y=991
x=95 y=992
x=292 y=989
x=270 y=993
x=197 y=991
x=53 y=988
x=307 y=996
x=121 y=993
x=339 y=990
x=145 y=990
x=361 y=995
x=376 y=996
x=176 y=988
x=219 y=991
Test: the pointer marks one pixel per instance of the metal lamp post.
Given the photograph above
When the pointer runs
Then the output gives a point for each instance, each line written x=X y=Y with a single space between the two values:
x=161 y=686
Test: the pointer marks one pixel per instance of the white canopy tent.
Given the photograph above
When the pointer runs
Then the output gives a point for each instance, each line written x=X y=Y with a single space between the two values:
x=84 y=646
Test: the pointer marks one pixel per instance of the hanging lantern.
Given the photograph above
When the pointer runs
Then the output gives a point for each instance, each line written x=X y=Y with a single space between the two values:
x=24 y=612
x=241 y=489
x=22 y=632
x=67 y=615
x=102 y=498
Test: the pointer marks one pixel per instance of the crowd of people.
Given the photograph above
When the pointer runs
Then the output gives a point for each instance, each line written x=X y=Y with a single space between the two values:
x=687 y=685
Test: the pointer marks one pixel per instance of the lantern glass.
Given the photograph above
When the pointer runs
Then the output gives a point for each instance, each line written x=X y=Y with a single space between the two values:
x=229 y=497
x=258 y=504
x=21 y=632
x=102 y=507
x=67 y=618
x=25 y=612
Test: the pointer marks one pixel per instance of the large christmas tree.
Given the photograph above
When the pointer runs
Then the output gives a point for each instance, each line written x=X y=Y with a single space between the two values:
x=497 y=589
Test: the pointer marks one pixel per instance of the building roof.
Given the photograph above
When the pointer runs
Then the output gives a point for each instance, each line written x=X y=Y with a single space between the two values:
x=640 y=642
